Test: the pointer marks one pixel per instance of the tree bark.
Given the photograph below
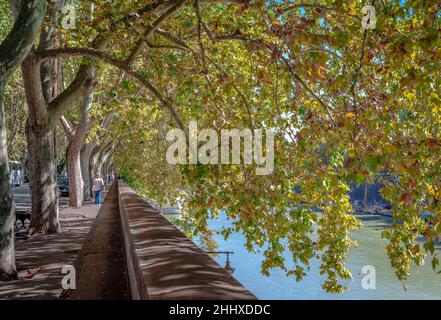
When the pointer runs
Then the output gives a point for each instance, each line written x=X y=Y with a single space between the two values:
x=86 y=152
x=43 y=117
x=104 y=154
x=42 y=180
x=92 y=166
x=107 y=161
x=42 y=164
x=74 y=176
x=7 y=206
x=76 y=138
x=28 y=17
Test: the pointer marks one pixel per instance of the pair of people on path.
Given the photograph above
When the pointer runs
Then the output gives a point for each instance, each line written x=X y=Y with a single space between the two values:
x=98 y=187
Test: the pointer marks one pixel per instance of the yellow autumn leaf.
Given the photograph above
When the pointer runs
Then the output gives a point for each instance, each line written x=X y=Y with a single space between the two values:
x=350 y=115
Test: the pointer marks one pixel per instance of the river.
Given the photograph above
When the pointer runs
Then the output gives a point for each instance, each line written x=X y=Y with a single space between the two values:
x=423 y=282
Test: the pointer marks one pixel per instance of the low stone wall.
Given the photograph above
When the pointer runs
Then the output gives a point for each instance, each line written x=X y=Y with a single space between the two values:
x=162 y=263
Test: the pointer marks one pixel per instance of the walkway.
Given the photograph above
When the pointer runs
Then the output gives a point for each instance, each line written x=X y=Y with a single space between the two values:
x=162 y=262
x=41 y=259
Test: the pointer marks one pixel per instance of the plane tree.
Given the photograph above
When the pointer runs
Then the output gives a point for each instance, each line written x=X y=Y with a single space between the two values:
x=46 y=105
x=345 y=103
x=28 y=16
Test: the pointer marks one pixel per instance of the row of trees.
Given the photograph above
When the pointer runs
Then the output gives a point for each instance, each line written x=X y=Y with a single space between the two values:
x=346 y=103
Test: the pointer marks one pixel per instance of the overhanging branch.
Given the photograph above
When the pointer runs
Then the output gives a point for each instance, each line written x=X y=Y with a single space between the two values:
x=122 y=65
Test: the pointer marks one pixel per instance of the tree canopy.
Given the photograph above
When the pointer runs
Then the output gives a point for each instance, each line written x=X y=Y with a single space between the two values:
x=346 y=103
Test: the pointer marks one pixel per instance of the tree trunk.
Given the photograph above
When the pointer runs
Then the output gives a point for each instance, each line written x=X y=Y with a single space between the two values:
x=42 y=119
x=76 y=135
x=75 y=177
x=106 y=164
x=28 y=16
x=102 y=158
x=365 y=190
x=86 y=152
x=7 y=206
x=92 y=167
x=42 y=180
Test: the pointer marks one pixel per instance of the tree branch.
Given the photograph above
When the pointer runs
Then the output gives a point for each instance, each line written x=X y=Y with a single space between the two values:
x=201 y=21
x=82 y=84
x=360 y=64
x=85 y=75
x=122 y=65
x=304 y=85
x=20 y=39
x=172 y=38
x=68 y=128
x=242 y=37
x=183 y=46
x=151 y=28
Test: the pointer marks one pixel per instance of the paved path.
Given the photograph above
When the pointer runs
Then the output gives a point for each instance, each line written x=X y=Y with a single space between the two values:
x=46 y=255
x=22 y=198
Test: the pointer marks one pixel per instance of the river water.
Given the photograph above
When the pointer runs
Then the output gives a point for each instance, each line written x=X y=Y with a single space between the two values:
x=423 y=282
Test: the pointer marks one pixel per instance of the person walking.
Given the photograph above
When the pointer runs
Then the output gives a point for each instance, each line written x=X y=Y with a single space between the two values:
x=98 y=187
